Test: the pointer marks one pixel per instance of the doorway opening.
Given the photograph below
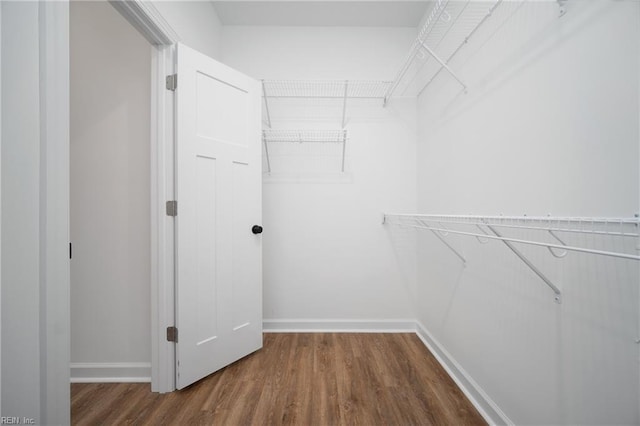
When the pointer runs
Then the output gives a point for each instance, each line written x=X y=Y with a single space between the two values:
x=110 y=122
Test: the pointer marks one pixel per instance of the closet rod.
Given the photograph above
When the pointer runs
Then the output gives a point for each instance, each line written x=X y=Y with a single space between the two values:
x=535 y=243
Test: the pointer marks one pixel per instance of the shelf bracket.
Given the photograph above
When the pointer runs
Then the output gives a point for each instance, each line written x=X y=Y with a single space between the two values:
x=266 y=104
x=543 y=277
x=443 y=64
x=266 y=150
x=344 y=104
x=461 y=257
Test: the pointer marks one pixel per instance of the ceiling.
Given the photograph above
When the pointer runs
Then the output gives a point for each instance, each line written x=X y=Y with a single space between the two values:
x=358 y=13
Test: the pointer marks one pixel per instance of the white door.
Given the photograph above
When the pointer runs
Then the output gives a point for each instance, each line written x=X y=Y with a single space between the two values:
x=218 y=258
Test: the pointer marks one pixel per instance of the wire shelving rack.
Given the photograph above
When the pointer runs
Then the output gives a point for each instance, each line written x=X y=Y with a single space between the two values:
x=339 y=90
x=288 y=136
x=487 y=228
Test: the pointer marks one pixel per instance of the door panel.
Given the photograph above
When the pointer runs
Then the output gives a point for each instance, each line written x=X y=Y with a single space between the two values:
x=245 y=300
x=218 y=259
x=221 y=121
x=207 y=283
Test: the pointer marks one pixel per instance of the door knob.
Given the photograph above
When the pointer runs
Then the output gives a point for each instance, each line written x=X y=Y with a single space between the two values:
x=256 y=229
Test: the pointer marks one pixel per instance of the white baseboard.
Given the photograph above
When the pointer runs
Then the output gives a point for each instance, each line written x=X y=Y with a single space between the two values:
x=110 y=372
x=338 y=326
x=483 y=403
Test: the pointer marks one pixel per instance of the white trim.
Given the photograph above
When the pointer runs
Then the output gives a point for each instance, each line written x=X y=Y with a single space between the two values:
x=162 y=226
x=487 y=408
x=110 y=372
x=123 y=379
x=145 y=18
x=1 y=205
x=338 y=326
x=54 y=212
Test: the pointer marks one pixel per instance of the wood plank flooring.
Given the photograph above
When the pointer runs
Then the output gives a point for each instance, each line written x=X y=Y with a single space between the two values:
x=297 y=379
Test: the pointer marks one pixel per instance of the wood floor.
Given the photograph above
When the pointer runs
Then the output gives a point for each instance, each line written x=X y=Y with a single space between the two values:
x=297 y=379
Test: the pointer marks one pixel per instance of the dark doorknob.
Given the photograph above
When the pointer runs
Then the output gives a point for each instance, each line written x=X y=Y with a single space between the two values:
x=256 y=229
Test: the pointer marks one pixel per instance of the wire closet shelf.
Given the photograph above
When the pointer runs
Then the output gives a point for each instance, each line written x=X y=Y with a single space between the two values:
x=304 y=136
x=323 y=89
x=486 y=228
x=448 y=28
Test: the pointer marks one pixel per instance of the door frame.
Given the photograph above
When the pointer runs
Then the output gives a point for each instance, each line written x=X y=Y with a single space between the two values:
x=144 y=17
x=53 y=34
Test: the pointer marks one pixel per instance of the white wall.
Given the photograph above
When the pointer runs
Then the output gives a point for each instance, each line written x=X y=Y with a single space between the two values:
x=326 y=254
x=35 y=276
x=196 y=23
x=20 y=211
x=110 y=124
x=550 y=125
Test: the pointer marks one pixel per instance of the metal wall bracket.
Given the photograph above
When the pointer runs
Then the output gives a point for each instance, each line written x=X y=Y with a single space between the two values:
x=444 y=65
x=441 y=238
x=543 y=277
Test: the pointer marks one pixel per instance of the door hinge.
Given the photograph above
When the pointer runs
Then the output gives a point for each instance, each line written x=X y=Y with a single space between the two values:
x=172 y=334
x=172 y=82
x=172 y=208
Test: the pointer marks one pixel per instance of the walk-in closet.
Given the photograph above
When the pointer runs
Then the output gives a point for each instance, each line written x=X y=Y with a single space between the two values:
x=325 y=212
